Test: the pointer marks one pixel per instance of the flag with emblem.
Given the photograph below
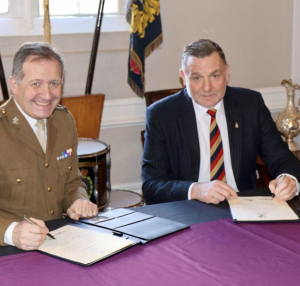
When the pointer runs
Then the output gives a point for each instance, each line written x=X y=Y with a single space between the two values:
x=145 y=37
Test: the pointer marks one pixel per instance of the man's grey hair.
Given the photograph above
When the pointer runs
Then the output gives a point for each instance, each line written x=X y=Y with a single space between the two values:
x=40 y=51
x=201 y=49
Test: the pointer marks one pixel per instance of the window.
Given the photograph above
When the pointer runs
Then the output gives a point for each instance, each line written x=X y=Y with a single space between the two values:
x=4 y=6
x=25 y=17
x=80 y=7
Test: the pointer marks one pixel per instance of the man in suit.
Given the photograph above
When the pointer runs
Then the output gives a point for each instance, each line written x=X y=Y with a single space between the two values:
x=177 y=163
x=39 y=173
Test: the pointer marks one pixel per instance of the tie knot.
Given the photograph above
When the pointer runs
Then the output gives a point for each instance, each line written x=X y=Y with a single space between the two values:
x=212 y=112
x=40 y=124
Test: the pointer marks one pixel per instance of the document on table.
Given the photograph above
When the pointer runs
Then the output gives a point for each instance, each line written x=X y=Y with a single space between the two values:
x=83 y=246
x=261 y=209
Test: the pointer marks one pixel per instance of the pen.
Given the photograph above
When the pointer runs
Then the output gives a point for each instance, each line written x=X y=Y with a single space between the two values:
x=280 y=181
x=32 y=222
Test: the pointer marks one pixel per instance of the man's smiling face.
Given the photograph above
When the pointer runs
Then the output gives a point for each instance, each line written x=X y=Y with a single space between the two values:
x=39 y=91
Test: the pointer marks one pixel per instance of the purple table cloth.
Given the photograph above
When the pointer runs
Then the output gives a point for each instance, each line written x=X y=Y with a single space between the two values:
x=214 y=253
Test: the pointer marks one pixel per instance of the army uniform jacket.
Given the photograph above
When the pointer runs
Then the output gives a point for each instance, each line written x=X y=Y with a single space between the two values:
x=32 y=183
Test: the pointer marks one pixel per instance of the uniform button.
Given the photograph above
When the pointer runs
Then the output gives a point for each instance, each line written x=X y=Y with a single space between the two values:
x=52 y=212
x=49 y=189
x=47 y=165
x=70 y=167
x=18 y=180
x=3 y=111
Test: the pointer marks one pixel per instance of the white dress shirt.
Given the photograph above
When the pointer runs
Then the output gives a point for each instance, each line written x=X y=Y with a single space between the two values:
x=203 y=124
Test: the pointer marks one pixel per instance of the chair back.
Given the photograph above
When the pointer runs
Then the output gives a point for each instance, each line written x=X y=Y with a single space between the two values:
x=153 y=96
x=87 y=111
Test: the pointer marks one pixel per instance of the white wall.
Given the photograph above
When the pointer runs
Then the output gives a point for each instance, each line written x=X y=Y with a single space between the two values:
x=260 y=38
x=255 y=35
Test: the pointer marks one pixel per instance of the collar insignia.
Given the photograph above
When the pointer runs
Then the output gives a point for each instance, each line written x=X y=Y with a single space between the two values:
x=15 y=120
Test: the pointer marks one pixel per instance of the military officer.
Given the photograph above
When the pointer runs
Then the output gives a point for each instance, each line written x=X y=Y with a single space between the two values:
x=39 y=173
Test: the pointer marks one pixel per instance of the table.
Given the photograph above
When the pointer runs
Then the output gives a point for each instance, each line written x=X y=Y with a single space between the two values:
x=214 y=251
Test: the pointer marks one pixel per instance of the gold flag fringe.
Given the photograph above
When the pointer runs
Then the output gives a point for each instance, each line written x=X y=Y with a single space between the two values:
x=153 y=45
x=135 y=88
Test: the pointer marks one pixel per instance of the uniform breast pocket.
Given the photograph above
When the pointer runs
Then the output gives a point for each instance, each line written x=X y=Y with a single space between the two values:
x=64 y=166
x=18 y=188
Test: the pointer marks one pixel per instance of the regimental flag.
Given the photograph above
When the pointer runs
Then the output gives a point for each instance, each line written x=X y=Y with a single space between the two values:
x=145 y=37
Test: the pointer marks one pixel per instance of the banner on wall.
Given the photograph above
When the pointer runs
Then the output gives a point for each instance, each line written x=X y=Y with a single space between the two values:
x=145 y=37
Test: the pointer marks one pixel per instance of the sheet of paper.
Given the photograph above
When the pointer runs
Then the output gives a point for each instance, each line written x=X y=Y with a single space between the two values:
x=260 y=209
x=82 y=245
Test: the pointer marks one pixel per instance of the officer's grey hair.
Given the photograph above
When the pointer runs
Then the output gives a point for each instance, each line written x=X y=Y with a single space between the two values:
x=40 y=51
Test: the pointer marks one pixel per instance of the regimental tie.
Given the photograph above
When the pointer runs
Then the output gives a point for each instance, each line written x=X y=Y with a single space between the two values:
x=40 y=134
x=217 y=170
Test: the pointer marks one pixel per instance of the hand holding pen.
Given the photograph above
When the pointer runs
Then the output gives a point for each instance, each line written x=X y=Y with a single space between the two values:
x=32 y=222
x=29 y=235
x=280 y=181
x=284 y=188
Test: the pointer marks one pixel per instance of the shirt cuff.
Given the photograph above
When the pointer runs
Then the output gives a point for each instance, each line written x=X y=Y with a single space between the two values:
x=9 y=233
x=190 y=190
x=294 y=178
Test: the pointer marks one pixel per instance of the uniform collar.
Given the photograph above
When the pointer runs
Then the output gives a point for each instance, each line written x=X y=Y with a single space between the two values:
x=31 y=121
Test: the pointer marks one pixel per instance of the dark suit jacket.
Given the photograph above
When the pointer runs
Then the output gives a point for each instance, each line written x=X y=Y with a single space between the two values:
x=171 y=157
x=33 y=183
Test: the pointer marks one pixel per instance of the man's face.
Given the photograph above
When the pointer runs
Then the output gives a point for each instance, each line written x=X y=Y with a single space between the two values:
x=206 y=79
x=40 y=90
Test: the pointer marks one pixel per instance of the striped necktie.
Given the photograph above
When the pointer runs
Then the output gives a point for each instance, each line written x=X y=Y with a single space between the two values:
x=217 y=170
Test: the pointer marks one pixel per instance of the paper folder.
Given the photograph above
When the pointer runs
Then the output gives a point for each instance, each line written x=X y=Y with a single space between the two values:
x=91 y=240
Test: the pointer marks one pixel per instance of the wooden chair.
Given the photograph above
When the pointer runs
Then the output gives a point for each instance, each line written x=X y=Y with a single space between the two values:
x=153 y=96
x=87 y=111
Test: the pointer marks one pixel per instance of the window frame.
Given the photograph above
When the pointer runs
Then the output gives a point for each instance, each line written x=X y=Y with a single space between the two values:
x=23 y=20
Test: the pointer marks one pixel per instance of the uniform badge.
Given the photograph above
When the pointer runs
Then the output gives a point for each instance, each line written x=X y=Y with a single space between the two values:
x=15 y=120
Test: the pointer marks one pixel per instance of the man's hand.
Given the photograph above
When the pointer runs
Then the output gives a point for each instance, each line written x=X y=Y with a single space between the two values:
x=212 y=192
x=29 y=237
x=82 y=208
x=286 y=190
